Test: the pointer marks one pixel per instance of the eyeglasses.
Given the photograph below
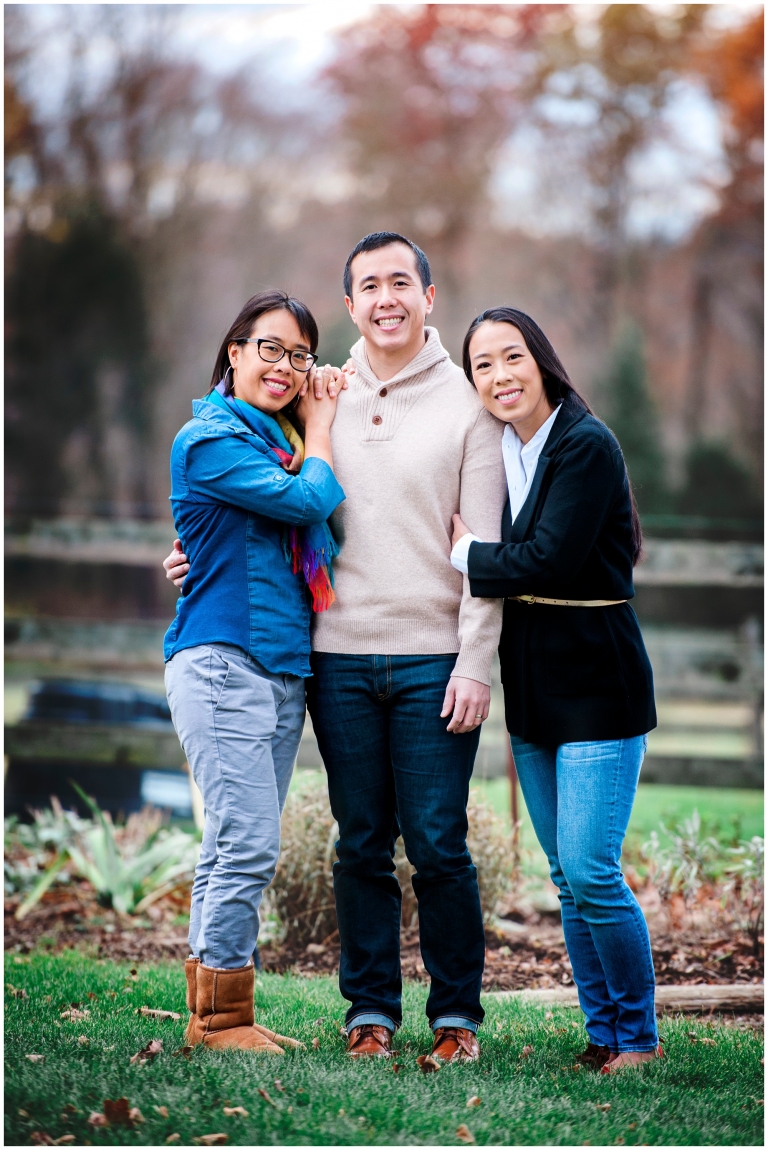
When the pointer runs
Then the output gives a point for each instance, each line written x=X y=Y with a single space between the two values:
x=272 y=352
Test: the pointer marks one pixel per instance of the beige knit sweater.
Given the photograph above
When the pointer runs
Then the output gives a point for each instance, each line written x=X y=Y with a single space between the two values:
x=409 y=453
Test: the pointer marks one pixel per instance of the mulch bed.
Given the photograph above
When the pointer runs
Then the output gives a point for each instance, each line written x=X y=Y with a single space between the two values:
x=528 y=954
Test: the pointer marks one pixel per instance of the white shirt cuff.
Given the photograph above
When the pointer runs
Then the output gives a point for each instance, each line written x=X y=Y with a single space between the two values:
x=460 y=553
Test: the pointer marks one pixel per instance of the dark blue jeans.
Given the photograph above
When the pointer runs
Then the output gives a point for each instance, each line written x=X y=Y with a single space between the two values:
x=393 y=768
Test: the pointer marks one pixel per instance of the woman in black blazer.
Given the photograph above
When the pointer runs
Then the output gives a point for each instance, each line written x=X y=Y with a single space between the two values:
x=578 y=687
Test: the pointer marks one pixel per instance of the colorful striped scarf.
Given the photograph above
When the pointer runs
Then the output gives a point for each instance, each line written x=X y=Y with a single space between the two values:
x=310 y=549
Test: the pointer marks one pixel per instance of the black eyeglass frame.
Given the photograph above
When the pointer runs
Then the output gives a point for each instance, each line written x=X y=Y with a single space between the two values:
x=310 y=355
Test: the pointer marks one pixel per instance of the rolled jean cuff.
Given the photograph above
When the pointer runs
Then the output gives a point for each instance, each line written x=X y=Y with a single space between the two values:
x=455 y=1020
x=638 y=1049
x=371 y=1019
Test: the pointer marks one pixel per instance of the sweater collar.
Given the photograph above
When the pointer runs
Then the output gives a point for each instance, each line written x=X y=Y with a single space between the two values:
x=431 y=354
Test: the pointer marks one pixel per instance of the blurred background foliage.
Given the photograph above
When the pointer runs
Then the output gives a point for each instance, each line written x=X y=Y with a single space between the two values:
x=598 y=166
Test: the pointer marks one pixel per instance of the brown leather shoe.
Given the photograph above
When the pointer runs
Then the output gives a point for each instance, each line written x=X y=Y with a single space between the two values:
x=594 y=1057
x=369 y=1041
x=455 y=1044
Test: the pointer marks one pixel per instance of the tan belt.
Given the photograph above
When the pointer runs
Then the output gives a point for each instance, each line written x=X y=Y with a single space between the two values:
x=567 y=602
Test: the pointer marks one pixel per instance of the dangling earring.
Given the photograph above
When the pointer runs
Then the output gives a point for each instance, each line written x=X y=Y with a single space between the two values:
x=229 y=388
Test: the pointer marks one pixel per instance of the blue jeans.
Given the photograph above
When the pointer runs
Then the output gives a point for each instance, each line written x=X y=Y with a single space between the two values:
x=240 y=728
x=393 y=768
x=579 y=797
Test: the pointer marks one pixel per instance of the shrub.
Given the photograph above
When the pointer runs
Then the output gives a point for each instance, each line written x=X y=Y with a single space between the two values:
x=302 y=891
x=130 y=867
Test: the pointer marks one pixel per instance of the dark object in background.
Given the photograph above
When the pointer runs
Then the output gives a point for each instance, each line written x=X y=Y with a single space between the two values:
x=114 y=739
x=85 y=701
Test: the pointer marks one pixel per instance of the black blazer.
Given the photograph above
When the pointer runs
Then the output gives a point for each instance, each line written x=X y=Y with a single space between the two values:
x=570 y=674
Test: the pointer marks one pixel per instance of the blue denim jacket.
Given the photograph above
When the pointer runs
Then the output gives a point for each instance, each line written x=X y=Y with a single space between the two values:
x=231 y=500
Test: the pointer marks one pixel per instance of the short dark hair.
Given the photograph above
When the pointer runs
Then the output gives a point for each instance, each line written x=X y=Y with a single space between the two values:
x=557 y=384
x=258 y=305
x=376 y=240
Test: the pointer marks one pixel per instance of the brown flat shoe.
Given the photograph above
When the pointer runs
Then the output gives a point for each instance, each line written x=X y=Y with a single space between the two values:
x=627 y=1061
x=369 y=1041
x=594 y=1057
x=455 y=1044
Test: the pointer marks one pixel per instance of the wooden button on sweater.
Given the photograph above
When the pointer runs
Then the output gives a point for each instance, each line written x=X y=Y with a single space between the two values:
x=383 y=392
x=376 y=419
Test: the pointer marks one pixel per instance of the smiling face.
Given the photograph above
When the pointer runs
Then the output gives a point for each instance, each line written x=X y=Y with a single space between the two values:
x=508 y=379
x=389 y=303
x=268 y=386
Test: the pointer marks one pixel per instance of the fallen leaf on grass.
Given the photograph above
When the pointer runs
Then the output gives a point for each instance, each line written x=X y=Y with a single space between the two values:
x=92 y=996
x=632 y=1126
x=279 y=1086
x=475 y=1100
x=604 y=1106
x=135 y=1114
x=96 y=1118
x=526 y=1051
x=83 y=1040
x=427 y=1064
x=35 y=1057
x=266 y=1097
x=162 y=1111
x=185 y=1050
x=74 y=1015
x=145 y=1010
x=548 y=1015
x=148 y=1052
x=23 y=1113
x=172 y=1138
x=708 y=1042
x=41 y=1139
x=211 y=1139
x=117 y=1111
x=315 y=1043
x=396 y=1068
x=232 y=1111
x=464 y=1134
x=15 y=992
x=64 y=1140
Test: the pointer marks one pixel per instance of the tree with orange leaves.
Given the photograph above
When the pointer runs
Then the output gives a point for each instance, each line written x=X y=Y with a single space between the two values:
x=429 y=95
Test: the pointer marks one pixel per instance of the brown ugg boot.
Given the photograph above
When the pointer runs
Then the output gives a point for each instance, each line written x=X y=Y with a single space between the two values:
x=190 y=970
x=223 y=1015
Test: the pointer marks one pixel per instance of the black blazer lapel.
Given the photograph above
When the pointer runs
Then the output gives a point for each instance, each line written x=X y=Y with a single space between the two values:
x=569 y=414
x=506 y=524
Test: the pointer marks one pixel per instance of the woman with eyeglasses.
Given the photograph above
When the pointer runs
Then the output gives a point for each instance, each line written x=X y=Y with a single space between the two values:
x=578 y=686
x=252 y=487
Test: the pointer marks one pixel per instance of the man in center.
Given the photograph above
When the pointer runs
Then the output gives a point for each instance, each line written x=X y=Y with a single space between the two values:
x=401 y=662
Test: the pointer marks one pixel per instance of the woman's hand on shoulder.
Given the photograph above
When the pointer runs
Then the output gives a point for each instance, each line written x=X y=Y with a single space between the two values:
x=327 y=380
x=316 y=414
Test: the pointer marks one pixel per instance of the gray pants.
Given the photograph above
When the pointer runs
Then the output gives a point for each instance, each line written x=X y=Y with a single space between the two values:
x=240 y=728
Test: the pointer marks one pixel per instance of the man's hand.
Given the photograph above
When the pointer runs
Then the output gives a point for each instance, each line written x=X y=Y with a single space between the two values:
x=469 y=701
x=176 y=566
x=459 y=528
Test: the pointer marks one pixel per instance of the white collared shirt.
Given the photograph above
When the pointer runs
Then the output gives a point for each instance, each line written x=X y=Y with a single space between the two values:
x=520 y=461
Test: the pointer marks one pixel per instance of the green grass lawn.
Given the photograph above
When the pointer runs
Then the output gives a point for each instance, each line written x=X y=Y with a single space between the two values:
x=700 y=1094
x=727 y=812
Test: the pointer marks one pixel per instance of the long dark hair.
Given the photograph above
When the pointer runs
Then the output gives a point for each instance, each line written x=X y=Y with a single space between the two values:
x=557 y=384
x=257 y=305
